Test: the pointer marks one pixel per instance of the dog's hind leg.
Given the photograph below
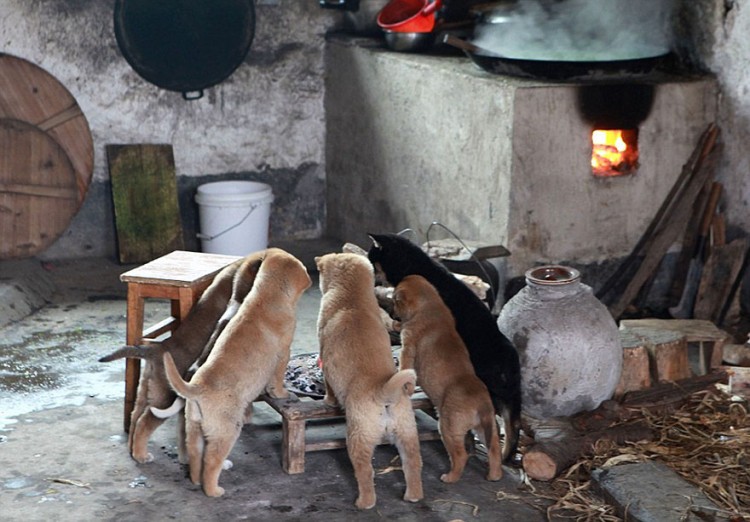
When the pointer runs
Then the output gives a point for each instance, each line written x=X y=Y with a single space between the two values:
x=144 y=428
x=214 y=454
x=453 y=439
x=182 y=451
x=141 y=404
x=494 y=452
x=194 y=441
x=360 y=454
x=407 y=443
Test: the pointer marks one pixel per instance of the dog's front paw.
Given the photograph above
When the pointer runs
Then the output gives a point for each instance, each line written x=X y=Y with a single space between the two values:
x=227 y=465
x=450 y=478
x=494 y=476
x=277 y=393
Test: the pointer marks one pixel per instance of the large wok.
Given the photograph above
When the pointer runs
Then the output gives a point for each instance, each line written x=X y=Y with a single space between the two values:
x=184 y=45
x=554 y=69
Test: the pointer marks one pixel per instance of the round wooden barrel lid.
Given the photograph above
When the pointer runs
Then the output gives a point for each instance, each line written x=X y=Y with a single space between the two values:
x=30 y=94
x=38 y=189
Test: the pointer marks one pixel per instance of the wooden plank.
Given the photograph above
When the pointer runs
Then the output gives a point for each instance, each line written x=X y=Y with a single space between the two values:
x=144 y=192
x=722 y=269
x=695 y=330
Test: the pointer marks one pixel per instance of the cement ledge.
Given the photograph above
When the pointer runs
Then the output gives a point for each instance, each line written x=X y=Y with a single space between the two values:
x=652 y=492
x=25 y=287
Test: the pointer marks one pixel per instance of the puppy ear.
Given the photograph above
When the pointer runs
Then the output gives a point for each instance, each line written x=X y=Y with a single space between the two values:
x=374 y=241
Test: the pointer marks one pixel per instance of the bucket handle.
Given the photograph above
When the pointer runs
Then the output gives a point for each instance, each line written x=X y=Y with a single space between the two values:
x=210 y=238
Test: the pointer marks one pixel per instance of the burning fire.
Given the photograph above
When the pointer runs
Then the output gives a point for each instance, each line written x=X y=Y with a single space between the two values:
x=614 y=152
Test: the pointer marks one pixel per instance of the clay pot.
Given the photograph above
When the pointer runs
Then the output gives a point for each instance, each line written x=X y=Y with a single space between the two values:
x=568 y=343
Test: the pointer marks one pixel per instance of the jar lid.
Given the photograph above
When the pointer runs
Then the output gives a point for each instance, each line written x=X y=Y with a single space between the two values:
x=552 y=275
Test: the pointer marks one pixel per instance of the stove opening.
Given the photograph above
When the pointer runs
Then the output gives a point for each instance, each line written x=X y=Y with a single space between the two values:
x=614 y=152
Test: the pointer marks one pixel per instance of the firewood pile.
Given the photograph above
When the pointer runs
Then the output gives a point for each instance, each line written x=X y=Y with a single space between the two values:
x=695 y=427
x=709 y=270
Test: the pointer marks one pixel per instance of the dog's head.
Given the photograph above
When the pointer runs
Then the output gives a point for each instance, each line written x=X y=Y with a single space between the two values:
x=395 y=257
x=411 y=294
x=343 y=269
x=288 y=267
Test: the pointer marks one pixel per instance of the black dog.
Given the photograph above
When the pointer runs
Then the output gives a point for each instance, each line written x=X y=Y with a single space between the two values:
x=493 y=356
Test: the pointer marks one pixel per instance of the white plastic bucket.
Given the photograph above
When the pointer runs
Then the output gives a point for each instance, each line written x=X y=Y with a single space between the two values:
x=234 y=216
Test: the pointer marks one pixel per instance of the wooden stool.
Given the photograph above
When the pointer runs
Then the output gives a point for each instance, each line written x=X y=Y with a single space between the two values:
x=707 y=335
x=180 y=277
x=294 y=415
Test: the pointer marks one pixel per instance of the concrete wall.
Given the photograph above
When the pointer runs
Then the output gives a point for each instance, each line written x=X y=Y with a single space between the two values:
x=498 y=160
x=716 y=32
x=264 y=123
x=412 y=140
x=559 y=212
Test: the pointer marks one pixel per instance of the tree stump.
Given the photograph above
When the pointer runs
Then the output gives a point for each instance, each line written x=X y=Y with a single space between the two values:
x=667 y=351
x=636 y=366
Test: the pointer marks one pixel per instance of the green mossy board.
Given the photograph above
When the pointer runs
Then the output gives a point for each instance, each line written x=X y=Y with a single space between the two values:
x=144 y=193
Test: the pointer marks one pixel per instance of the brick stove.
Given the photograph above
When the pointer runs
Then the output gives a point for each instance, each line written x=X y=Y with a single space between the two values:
x=413 y=139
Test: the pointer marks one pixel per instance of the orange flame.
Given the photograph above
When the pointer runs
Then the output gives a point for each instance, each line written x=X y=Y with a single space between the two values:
x=611 y=153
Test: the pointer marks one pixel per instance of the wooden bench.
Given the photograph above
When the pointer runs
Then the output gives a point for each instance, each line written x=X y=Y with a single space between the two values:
x=294 y=416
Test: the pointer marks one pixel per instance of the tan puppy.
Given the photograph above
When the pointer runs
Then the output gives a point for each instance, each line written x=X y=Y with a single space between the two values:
x=249 y=357
x=186 y=344
x=431 y=345
x=361 y=376
x=242 y=283
x=241 y=286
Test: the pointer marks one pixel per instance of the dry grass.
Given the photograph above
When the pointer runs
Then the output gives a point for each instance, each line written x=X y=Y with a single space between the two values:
x=706 y=441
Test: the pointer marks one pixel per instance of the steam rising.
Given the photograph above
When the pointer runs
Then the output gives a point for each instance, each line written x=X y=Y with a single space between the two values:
x=579 y=30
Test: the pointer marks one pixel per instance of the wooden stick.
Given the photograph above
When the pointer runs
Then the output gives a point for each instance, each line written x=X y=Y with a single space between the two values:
x=60 y=118
x=684 y=308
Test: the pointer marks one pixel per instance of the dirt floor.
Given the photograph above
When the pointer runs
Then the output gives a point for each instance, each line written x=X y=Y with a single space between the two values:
x=63 y=452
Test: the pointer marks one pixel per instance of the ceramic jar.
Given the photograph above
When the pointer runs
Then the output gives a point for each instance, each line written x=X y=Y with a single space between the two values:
x=567 y=341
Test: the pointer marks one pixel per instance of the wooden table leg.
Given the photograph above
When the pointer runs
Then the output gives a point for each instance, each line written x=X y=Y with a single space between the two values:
x=293 y=445
x=133 y=336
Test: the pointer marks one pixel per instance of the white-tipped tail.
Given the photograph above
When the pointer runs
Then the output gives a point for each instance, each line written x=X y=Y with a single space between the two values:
x=165 y=413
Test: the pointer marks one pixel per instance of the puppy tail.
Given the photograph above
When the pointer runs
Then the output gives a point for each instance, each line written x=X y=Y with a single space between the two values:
x=133 y=352
x=171 y=410
x=182 y=387
x=401 y=384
